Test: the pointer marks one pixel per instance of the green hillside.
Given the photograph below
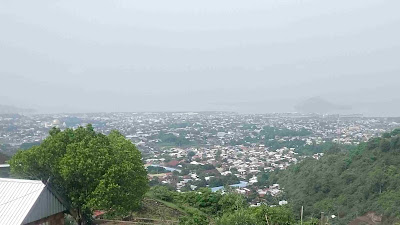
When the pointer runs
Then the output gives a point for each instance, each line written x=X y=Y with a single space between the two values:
x=204 y=207
x=347 y=183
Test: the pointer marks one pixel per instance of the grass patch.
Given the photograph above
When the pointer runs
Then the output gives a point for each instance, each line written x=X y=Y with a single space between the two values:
x=155 y=209
x=183 y=208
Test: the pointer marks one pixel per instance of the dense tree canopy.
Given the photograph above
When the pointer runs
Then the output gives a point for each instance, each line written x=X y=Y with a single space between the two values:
x=92 y=170
x=156 y=170
x=206 y=207
x=169 y=139
x=347 y=183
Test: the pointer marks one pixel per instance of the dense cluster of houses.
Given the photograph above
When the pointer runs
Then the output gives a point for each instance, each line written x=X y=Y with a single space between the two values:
x=203 y=129
x=236 y=145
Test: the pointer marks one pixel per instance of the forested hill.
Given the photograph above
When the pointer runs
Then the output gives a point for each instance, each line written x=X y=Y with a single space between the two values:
x=348 y=184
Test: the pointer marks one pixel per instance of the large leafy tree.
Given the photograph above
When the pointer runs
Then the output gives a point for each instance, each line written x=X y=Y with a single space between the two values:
x=92 y=170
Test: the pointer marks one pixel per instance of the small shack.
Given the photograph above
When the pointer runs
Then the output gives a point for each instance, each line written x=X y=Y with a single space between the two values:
x=29 y=202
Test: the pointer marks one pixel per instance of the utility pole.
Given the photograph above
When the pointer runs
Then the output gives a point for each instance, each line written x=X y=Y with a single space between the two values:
x=301 y=215
x=322 y=218
x=338 y=129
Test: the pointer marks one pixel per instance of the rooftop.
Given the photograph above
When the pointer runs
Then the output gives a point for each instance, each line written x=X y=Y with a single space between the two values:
x=25 y=201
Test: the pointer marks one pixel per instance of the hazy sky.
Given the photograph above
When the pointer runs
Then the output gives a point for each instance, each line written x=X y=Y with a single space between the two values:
x=170 y=55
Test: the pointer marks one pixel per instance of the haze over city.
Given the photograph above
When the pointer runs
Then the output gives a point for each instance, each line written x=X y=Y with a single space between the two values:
x=248 y=57
x=212 y=112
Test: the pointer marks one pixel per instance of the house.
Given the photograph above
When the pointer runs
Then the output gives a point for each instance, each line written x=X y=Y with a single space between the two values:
x=4 y=170
x=29 y=202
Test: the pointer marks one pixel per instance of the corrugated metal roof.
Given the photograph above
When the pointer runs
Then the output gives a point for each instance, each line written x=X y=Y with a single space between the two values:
x=17 y=198
x=46 y=205
x=23 y=201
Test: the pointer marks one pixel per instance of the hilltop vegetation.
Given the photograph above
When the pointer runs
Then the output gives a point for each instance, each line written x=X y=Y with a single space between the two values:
x=205 y=207
x=347 y=183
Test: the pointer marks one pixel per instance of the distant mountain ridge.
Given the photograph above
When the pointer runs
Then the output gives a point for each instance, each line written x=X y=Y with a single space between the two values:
x=319 y=105
x=8 y=109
